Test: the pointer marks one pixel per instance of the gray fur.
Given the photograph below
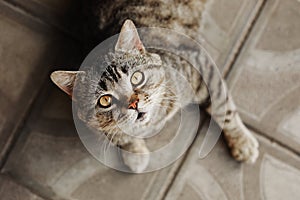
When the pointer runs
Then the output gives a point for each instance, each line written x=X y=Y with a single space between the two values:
x=163 y=93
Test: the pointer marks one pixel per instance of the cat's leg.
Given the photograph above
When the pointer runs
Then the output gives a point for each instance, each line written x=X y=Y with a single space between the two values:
x=242 y=143
x=212 y=93
x=135 y=153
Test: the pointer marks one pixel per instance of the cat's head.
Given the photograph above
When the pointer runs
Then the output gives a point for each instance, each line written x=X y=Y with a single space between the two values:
x=131 y=94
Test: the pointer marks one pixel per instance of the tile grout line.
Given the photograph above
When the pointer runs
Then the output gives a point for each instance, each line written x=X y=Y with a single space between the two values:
x=272 y=140
x=19 y=128
x=21 y=123
x=19 y=11
x=227 y=68
x=175 y=173
x=23 y=10
x=237 y=49
x=180 y=165
x=28 y=188
x=244 y=35
x=231 y=62
x=256 y=131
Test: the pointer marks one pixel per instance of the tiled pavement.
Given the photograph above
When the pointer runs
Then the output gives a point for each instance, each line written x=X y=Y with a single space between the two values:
x=269 y=70
x=42 y=157
x=29 y=47
x=10 y=190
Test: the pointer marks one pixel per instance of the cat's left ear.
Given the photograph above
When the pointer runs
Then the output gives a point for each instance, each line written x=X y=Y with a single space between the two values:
x=129 y=38
x=65 y=80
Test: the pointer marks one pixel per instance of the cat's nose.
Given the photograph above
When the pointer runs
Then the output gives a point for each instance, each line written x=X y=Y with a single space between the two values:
x=133 y=102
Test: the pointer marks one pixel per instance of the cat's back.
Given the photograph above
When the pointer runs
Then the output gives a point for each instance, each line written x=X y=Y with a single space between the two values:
x=105 y=17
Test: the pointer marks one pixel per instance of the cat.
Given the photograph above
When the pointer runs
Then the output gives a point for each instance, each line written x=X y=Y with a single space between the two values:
x=139 y=90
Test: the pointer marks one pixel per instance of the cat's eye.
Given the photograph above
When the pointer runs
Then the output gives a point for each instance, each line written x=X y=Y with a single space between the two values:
x=105 y=101
x=137 y=78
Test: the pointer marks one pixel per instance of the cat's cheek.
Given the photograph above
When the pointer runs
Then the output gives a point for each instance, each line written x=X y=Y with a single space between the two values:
x=81 y=116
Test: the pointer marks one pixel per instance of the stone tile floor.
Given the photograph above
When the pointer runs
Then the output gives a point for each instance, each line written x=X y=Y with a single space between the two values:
x=255 y=43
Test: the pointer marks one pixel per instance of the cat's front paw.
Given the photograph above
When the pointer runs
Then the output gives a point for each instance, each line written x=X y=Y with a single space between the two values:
x=244 y=147
x=136 y=158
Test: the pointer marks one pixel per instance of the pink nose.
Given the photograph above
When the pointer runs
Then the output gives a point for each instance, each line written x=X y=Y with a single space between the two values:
x=133 y=105
x=133 y=102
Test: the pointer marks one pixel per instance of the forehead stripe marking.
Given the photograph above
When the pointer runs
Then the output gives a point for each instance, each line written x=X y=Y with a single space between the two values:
x=106 y=76
x=111 y=73
x=102 y=84
x=116 y=71
x=124 y=69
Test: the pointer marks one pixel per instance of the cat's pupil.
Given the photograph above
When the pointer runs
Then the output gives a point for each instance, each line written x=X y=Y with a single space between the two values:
x=105 y=101
x=137 y=78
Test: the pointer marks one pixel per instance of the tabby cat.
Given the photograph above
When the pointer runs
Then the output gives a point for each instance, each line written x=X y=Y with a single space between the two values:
x=138 y=88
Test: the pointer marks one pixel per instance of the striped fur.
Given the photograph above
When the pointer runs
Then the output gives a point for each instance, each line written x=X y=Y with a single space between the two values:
x=163 y=92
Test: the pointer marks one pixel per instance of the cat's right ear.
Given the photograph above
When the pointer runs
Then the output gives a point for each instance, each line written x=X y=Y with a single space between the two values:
x=129 y=38
x=65 y=80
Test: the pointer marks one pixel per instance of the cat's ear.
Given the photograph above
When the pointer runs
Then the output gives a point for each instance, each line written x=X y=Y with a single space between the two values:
x=65 y=80
x=129 y=38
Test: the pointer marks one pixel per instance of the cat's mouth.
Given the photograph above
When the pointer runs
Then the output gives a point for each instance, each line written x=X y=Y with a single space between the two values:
x=141 y=116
